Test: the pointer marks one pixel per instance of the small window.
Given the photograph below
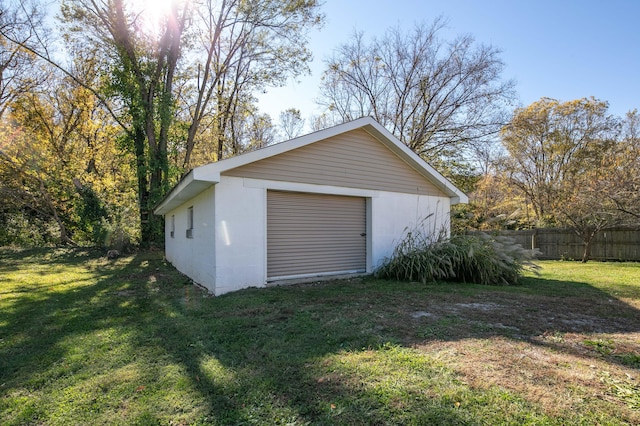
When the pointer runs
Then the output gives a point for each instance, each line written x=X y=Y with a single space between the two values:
x=173 y=225
x=190 y=222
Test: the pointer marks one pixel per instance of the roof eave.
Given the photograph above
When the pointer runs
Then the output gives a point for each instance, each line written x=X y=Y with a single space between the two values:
x=279 y=148
x=416 y=162
x=192 y=184
x=203 y=177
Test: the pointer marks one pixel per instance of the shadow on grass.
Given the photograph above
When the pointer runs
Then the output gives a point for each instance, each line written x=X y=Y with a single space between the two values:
x=45 y=324
x=274 y=340
x=264 y=355
x=276 y=343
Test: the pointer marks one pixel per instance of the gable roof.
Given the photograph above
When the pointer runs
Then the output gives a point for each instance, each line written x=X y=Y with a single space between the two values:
x=203 y=177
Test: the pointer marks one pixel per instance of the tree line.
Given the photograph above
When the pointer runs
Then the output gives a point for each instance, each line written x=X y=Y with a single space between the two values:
x=105 y=104
x=564 y=164
x=122 y=97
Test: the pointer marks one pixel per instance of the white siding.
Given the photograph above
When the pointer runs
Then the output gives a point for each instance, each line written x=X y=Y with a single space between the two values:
x=228 y=248
x=193 y=257
x=240 y=243
x=241 y=203
x=393 y=214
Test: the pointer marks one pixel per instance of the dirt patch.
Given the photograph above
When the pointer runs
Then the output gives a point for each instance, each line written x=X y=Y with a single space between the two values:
x=531 y=315
x=484 y=307
x=556 y=380
x=421 y=314
x=562 y=353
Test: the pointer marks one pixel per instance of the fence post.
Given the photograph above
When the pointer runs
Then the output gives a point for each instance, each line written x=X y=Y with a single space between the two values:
x=533 y=239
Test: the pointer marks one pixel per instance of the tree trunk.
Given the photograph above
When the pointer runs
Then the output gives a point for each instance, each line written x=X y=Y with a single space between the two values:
x=146 y=233
x=64 y=236
x=157 y=184
x=586 y=254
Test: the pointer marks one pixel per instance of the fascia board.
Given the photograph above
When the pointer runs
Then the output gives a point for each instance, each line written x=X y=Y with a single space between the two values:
x=376 y=130
x=215 y=169
x=201 y=178
x=189 y=186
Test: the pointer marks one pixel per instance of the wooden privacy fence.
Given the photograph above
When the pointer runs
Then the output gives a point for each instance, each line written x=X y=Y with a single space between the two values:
x=556 y=244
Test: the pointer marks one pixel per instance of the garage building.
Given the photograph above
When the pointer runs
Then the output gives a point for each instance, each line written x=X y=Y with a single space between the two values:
x=330 y=203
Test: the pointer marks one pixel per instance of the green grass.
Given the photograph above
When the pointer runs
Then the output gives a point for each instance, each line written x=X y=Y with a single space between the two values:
x=84 y=340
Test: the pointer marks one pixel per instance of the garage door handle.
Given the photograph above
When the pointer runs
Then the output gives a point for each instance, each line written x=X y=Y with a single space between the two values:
x=364 y=234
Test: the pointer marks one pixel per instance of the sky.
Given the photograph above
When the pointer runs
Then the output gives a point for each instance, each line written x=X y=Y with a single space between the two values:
x=562 y=49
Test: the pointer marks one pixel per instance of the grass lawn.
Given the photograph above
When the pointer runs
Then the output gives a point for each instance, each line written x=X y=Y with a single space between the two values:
x=84 y=340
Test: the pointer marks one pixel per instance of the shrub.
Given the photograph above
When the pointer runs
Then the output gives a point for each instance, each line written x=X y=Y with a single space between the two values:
x=21 y=229
x=481 y=259
x=118 y=236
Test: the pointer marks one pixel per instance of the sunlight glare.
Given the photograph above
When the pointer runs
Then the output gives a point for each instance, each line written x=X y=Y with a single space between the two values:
x=151 y=14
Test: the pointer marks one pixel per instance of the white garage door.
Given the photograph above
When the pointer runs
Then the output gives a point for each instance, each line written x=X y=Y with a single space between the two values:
x=309 y=234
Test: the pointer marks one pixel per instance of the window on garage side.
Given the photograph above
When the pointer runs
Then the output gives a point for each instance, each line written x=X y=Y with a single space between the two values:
x=173 y=225
x=190 y=222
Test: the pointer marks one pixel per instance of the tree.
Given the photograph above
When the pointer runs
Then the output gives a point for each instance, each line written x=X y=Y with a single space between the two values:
x=291 y=123
x=58 y=162
x=143 y=58
x=320 y=122
x=551 y=141
x=625 y=168
x=606 y=192
x=165 y=74
x=582 y=205
x=562 y=159
x=20 y=72
x=246 y=47
x=258 y=132
x=437 y=97
x=493 y=205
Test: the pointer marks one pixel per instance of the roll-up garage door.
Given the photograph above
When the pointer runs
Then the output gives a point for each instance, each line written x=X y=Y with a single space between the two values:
x=310 y=234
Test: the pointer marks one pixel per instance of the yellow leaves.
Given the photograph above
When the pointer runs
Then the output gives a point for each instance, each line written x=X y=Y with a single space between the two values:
x=551 y=142
x=56 y=143
x=496 y=203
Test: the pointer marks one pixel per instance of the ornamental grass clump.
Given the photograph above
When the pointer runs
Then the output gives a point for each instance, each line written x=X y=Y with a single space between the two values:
x=480 y=259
